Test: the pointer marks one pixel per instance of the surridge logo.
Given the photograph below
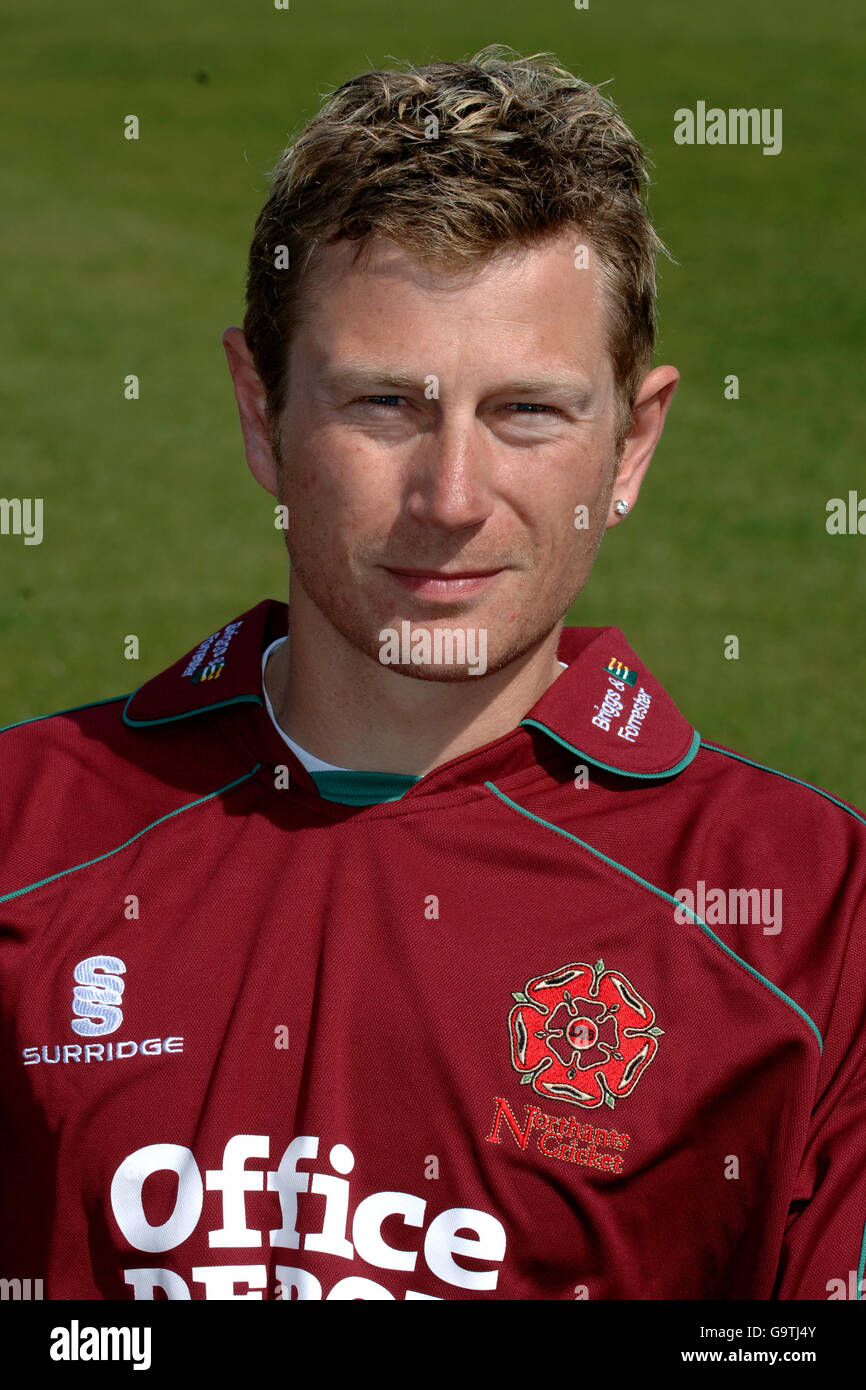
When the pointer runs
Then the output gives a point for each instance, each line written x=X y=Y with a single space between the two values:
x=96 y=1002
x=96 y=996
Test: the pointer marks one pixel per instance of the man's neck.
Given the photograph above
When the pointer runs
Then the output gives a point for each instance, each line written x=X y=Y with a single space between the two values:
x=351 y=711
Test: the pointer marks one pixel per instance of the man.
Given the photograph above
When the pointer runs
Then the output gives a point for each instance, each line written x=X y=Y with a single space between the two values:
x=410 y=945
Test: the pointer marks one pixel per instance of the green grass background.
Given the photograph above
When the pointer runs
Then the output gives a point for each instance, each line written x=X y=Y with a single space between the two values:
x=130 y=257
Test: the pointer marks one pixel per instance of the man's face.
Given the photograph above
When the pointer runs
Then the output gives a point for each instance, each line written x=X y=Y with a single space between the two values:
x=436 y=427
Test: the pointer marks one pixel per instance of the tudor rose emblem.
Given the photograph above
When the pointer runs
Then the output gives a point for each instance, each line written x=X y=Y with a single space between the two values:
x=582 y=1034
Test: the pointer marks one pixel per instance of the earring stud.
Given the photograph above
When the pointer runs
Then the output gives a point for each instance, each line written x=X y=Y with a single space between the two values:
x=620 y=506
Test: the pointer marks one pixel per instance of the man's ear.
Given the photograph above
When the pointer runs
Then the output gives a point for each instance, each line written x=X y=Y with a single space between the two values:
x=648 y=418
x=251 y=397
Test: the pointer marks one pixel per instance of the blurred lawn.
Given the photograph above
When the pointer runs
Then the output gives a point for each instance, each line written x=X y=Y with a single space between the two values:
x=130 y=257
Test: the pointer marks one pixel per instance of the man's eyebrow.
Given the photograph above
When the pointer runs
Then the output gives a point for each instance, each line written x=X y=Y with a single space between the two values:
x=358 y=374
x=575 y=389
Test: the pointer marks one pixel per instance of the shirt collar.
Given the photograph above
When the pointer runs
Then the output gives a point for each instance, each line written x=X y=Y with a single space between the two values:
x=606 y=708
x=223 y=669
x=610 y=709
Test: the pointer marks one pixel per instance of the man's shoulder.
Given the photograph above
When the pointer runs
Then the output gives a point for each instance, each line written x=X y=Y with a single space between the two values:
x=754 y=826
x=34 y=751
x=747 y=789
x=221 y=669
x=67 y=782
x=81 y=781
x=611 y=708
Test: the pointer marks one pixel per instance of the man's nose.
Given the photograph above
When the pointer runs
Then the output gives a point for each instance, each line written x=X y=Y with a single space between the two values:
x=451 y=481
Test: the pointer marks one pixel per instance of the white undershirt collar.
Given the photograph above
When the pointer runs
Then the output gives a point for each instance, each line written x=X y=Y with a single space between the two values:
x=308 y=760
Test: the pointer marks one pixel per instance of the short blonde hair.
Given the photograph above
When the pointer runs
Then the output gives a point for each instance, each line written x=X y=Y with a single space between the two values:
x=520 y=149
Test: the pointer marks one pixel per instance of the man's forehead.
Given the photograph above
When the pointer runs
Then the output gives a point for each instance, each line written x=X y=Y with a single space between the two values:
x=541 y=291
x=536 y=340
x=381 y=256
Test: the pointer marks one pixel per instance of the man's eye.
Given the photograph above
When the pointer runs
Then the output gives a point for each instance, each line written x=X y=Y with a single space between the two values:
x=392 y=402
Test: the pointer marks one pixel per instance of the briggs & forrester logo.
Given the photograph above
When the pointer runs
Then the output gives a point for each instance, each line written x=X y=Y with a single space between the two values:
x=612 y=708
x=196 y=669
x=618 y=668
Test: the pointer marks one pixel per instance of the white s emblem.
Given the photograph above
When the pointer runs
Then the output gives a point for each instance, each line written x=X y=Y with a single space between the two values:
x=97 y=995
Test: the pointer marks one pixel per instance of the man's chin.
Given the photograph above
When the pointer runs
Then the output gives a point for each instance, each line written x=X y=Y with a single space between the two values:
x=441 y=673
x=450 y=655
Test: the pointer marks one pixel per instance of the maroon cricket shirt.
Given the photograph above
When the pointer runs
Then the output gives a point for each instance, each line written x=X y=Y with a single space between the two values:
x=580 y=1014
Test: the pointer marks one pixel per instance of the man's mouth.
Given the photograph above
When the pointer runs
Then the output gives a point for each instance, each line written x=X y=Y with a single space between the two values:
x=432 y=583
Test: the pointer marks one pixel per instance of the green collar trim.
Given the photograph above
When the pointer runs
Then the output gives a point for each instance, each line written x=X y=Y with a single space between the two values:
x=611 y=767
x=186 y=714
x=362 y=788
